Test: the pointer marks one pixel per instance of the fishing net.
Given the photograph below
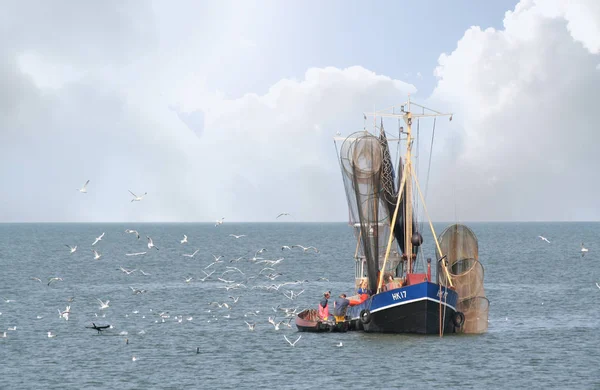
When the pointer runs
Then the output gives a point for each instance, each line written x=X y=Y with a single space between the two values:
x=476 y=311
x=459 y=244
x=361 y=158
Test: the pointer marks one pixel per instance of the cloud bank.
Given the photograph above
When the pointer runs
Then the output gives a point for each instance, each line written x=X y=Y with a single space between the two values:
x=80 y=100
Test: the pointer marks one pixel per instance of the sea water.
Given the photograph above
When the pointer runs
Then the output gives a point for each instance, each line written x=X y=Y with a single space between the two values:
x=543 y=319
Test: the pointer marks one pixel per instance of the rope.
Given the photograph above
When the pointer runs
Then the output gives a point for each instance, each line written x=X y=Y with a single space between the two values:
x=437 y=244
x=430 y=154
x=440 y=315
x=445 y=305
x=391 y=238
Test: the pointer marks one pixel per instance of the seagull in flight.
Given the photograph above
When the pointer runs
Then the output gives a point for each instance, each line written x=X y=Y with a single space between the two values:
x=72 y=248
x=597 y=285
x=98 y=239
x=544 y=239
x=584 y=250
x=184 y=239
x=135 y=254
x=98 y=328
x=137 y=291
x=137 y=198
x=131 y=231
x=37 y=279
x=65 y=314
x=306 y=248
x=103 y=305
x=282 y=214
x=96 y=254
x=54 y=280
x=193 y=254
x=219 y=221
x=83 y=189
x=207 y=275
x=250 y=326
x=294 y=343
x=236 y=236
x=127 y=271
x=150 y=243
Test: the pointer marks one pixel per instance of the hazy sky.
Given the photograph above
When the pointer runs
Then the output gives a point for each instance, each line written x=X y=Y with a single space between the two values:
x=228 y=108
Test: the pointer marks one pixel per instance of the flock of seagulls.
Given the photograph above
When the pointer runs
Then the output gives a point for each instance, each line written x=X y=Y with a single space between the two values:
x=261 y=273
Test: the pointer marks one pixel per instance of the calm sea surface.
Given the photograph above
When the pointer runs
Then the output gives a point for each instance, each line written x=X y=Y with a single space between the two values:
x=543 y=324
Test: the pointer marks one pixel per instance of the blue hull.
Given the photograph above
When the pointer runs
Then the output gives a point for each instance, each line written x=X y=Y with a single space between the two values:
x=410 y=309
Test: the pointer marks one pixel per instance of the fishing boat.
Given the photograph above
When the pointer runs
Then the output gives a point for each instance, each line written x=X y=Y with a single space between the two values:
x=399 y=293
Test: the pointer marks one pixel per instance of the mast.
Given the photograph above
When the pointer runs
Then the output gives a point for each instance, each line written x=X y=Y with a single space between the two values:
x=408 y=190
x=407 y=183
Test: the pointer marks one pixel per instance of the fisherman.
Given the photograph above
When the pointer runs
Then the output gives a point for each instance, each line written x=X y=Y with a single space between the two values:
x=340 y=305
x=324 y=306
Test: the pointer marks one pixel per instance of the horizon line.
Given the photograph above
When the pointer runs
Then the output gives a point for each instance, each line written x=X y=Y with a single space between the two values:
x=212 y=222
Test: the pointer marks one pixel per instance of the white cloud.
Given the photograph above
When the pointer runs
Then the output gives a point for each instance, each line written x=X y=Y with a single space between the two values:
x=524 y=99
x=109 y=97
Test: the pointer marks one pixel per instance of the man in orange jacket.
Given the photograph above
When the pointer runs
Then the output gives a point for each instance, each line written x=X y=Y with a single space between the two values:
x=324 y=306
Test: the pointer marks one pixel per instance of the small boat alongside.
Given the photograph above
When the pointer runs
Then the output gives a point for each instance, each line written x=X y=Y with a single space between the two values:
x=308 y=321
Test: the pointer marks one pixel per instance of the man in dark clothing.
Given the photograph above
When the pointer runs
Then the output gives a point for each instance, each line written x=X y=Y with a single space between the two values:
x=340 y=305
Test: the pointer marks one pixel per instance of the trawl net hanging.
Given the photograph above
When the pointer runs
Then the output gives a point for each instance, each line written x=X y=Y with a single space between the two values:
x=459 y=244
x=361 y=158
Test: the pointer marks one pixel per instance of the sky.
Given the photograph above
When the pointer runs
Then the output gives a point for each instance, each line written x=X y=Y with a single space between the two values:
x=228 y=108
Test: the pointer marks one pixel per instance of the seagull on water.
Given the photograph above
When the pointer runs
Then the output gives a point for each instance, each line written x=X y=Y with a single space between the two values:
x=72 y=248
x=150 y=243
x=96 y=254
x=281 y=215
x=184 y=239
x=544 y=239
x=131 y=231
x=98 y=239
x=83 y=189
x=294 y=343
x=236 y=236
x=50 y=335
x=137 y=198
